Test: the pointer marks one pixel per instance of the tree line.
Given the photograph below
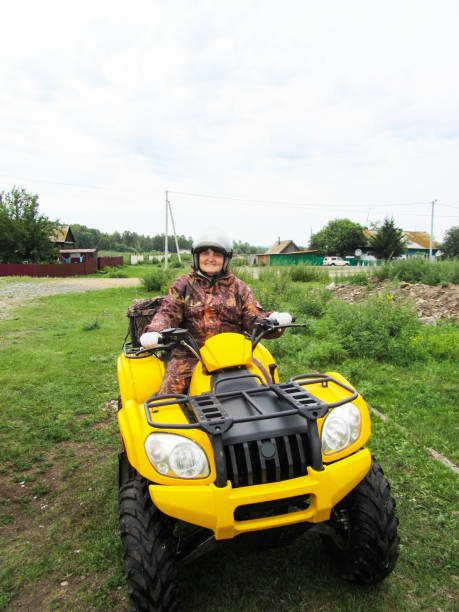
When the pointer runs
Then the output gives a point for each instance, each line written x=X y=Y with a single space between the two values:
x=343 y=237
x=89 y=238
x=26 y=235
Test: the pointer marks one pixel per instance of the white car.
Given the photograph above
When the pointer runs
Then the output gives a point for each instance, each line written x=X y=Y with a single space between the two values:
x=334 y=261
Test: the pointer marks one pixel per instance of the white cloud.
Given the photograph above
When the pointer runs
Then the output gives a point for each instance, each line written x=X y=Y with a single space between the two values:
x=349 y=109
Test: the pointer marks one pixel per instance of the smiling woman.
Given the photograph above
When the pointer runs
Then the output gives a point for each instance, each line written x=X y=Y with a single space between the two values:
x=211 y=262
x=209 y=300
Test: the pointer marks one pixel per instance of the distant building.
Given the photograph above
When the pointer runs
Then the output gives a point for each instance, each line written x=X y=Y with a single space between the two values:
x=286 y=253
x=63 y=237
x=417 y=243
x=77 y=255
x=281 y=246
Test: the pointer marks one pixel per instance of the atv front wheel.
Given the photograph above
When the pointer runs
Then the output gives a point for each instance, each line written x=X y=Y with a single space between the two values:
x=149 y=549
x=365 y=541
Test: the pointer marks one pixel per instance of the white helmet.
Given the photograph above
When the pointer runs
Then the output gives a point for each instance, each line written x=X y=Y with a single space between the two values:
x=218 y=243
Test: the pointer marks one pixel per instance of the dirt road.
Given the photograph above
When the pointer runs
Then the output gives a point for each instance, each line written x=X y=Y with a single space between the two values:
x=14 y=292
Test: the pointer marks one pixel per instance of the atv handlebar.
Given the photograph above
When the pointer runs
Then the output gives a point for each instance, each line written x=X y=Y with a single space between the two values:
x=178 y=336
x=268 y=325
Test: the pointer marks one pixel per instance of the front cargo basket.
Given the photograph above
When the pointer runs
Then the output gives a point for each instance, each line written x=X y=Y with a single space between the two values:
x=140 y=313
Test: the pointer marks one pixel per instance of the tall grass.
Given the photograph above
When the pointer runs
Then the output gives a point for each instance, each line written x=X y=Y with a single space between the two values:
x=420 y=270
x=308 y=274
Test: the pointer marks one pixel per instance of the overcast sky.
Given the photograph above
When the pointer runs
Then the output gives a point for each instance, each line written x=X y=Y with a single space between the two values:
x=264 y=119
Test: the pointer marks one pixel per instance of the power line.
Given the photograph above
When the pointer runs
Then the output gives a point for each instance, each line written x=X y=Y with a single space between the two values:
x=252 y=201
x=294 y=204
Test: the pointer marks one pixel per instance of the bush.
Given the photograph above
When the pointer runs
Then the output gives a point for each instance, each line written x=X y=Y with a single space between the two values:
x=380 y=328
x=439 y=342
x=420 y=270
x=358 y=278
x=308 y=274
x=273 y=288
x=312 y=303
x=117 y=272
x=158 y=280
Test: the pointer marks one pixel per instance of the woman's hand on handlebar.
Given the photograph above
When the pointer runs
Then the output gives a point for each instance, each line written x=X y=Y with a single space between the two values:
x=281 y=318
x=150 y=340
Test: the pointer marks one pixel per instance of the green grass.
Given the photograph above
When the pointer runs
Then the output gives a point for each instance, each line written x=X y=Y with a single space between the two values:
x=420 y=270
x=59 y=445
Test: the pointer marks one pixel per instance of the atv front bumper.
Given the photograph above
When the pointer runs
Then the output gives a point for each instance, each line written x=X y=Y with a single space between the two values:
x=214 y=507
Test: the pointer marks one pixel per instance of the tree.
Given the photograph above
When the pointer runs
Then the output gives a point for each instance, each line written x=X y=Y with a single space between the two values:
x=339 y=237
x=450 y=246
x=388 y=242
x=244 y=248
x=25 y=235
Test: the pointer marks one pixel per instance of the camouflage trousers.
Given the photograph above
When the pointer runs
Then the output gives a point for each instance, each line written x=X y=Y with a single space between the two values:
x=177 y=375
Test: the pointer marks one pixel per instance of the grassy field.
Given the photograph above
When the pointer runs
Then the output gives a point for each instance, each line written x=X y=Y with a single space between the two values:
x=59 y=539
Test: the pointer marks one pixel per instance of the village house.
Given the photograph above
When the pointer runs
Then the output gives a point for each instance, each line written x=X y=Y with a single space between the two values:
x=417 y=243
x=286 y=253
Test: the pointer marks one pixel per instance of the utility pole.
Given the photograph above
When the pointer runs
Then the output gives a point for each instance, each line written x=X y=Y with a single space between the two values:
x=431 y=229
x=175 y=234
x=166 y=247
x=166 y=236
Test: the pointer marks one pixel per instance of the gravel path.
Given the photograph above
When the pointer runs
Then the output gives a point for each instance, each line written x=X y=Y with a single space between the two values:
x=14 y=292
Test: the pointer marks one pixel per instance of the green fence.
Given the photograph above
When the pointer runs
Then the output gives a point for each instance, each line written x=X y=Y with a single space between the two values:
x=308 y=259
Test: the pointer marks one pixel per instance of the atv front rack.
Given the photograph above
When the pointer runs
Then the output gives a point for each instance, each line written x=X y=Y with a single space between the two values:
x=206 y=411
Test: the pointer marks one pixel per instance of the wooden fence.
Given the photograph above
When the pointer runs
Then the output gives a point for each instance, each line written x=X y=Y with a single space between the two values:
x=62 y=269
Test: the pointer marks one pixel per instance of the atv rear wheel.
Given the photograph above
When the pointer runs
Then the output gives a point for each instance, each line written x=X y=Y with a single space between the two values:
x=149 y=549
x=365 y=541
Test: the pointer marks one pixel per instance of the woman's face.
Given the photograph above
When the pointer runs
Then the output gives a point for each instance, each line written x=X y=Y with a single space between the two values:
x=211 y=262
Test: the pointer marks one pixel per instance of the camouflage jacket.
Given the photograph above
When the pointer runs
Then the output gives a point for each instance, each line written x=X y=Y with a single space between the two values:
x=209 y=306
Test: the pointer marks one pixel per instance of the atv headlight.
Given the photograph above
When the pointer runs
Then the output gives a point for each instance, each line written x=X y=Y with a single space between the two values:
x=341 y=428
x=176 y=456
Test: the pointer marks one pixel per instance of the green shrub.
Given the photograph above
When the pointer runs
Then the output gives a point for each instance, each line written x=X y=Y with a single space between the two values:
x=158 y=280
x=91 y=326
x=308 y=274
x=439 y=342
x=358 y=278
x=273 y=288
x=117 y=272
x=420 y=270
x=380 y=328
x=312 y=303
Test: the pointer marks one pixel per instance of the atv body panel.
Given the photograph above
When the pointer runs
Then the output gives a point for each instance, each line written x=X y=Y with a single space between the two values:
x=261 y=439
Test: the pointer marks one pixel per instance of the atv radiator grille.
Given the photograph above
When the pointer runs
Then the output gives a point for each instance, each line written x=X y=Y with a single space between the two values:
x=271 y=460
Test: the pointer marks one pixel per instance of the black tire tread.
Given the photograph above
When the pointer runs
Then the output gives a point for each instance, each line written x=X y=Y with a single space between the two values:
x=149 y=550
x=373 y=546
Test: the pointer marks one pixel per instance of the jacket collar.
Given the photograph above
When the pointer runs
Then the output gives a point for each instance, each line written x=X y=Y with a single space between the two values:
x=211 y=279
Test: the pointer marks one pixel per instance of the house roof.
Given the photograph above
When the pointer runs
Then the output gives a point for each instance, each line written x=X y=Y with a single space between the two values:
x=280 y=246
x=63 y=233
x=414 y=240
x=420 y=238
x=295 y=252
x=77 y=251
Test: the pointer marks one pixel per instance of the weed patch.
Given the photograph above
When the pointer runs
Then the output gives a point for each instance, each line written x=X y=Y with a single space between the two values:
x=380 y=328
x=420 y=270
x=91 y=326
x=157 y=280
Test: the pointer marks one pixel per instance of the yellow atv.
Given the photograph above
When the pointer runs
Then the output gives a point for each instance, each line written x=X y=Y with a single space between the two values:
x=243 y=453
